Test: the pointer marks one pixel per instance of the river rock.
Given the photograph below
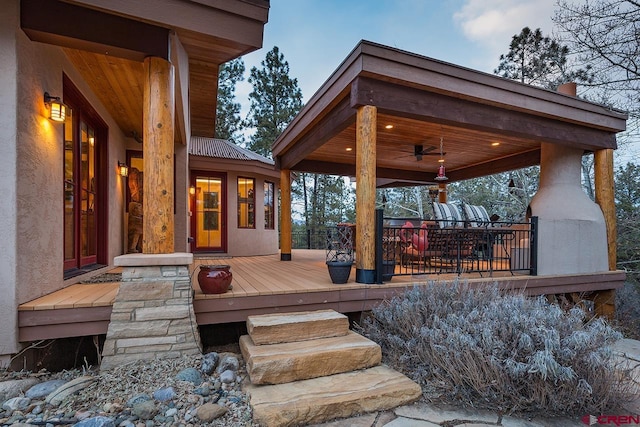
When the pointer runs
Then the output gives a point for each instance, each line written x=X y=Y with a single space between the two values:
x=164 y=394
x=13 y=388
x=41 y=390
x=210 y=411
x=190 y=374
x=99 y=421
x=228 y=376
x=228 y=363
x=16 y=404
x=209 y=362
x=138 y=398
x=145 y=410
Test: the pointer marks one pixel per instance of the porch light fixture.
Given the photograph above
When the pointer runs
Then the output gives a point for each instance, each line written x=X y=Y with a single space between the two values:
x=57 y=110
x=192 y=190
x=123 y=169
x=441 y=170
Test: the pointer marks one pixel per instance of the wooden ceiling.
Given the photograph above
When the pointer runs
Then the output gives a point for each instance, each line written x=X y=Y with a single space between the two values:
x=107 y=41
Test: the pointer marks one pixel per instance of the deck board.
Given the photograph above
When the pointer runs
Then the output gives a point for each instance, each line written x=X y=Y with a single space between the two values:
x=264 y=284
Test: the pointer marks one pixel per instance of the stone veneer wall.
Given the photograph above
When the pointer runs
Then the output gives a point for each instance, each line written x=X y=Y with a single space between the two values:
x=153 y=313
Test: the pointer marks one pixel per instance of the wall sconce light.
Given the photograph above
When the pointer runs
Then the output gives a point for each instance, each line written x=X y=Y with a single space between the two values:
x=57 y=110
x=123 y=169
x=192 y=190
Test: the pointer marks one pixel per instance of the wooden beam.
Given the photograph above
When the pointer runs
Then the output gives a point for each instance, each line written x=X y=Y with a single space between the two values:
x=366 y=124
x=285 y=215
x=63 y=24
x=158 y=148
x=418 y=104
x=605 y=197
x=340 y=117
x=505 y=164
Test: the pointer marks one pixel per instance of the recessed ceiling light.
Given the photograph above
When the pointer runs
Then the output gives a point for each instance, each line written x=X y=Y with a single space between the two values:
x=495 y=144
x=388 y=127
x=349 y=149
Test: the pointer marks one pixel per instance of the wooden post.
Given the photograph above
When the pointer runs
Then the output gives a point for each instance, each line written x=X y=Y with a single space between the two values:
x=604 y=301
x=157 y=112
x=285 y=215
x=605 y=197
x=366 y=120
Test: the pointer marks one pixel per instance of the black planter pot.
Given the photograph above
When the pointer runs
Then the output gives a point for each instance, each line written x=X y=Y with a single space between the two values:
x=388 y=268
x=339 y=271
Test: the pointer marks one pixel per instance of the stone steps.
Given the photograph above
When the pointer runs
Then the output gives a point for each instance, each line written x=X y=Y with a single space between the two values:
x=310 y=368
x=287 y=362
x=336 y=396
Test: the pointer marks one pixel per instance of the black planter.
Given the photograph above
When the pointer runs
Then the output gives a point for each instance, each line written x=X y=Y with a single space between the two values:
x=339 y=271
x=388 y=269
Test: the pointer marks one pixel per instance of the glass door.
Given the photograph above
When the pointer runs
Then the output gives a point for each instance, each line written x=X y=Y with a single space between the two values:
x=85 y=137
x=208 y=221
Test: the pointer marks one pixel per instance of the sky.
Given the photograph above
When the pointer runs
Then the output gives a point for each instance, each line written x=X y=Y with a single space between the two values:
x=315 y=36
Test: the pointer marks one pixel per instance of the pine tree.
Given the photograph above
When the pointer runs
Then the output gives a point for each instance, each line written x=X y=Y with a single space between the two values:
x=275 y=100
x=229 y=125
x=538 y=60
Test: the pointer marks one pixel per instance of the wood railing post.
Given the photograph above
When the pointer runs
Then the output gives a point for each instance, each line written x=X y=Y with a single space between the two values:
x=366 y=120
x=285 y=215
x=158 y=149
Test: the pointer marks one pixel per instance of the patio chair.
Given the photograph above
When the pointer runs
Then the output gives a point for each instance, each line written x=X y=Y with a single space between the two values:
x=417 y=245
x=447 y=215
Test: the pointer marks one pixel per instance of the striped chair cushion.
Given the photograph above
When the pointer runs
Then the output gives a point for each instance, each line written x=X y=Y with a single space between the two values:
x=476 y=215
x=447 y=215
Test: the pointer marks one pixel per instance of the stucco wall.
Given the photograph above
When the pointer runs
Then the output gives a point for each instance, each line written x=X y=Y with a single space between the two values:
x=244 y=241
x=8 y=165
x=31 y=157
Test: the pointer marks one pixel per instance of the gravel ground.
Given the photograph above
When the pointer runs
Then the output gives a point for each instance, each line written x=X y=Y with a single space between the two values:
x=113 y=395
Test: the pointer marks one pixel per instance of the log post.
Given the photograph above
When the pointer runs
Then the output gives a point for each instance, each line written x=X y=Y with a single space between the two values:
x=285 y=215
x=605 y=197
x=366 y=120
x=604 y=301
x=157 y=112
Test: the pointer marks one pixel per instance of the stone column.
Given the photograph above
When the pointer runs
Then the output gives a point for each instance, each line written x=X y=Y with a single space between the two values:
x=152 y=315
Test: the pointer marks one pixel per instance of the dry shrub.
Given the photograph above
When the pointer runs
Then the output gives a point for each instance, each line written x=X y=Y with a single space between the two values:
x=506 y=352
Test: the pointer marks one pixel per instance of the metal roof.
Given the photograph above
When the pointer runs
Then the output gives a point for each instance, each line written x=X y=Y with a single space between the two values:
x=223 y=149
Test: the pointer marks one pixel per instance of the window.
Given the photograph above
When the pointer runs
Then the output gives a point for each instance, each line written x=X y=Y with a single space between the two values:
x=246 y=203
x=268 y=205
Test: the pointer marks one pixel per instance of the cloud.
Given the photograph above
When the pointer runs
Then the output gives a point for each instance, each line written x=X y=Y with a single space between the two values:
x=492 y=23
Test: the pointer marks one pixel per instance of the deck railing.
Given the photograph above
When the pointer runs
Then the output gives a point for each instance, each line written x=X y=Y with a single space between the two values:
x=409 y=247
x=311 y=238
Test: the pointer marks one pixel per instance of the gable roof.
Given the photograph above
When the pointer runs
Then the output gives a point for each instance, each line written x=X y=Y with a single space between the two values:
x=223 y=149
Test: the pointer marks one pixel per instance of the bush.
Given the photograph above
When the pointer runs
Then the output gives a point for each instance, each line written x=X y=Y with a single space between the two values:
x=507 y=352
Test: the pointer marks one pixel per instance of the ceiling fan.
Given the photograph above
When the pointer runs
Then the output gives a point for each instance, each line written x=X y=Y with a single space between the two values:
x=419 y=151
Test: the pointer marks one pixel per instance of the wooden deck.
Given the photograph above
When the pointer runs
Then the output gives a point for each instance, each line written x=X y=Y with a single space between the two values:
x=264 y=284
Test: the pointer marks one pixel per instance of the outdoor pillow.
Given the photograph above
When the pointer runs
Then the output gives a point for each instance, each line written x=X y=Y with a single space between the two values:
x=447 y=214
x=476 y=215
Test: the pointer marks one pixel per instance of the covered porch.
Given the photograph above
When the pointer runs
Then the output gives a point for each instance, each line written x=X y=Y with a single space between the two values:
x=384 y=113
x=264 y=284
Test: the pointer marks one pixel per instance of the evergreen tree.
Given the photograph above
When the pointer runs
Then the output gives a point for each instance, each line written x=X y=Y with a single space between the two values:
x=228 y=121
x=275 y=100
x=538 y=60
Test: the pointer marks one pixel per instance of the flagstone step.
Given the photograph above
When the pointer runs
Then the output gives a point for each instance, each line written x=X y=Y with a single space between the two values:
x=298 y=326
x=337 y=396
x=286 y=362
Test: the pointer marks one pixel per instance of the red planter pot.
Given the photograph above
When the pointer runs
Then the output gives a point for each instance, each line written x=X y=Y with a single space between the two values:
x=214 y=279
